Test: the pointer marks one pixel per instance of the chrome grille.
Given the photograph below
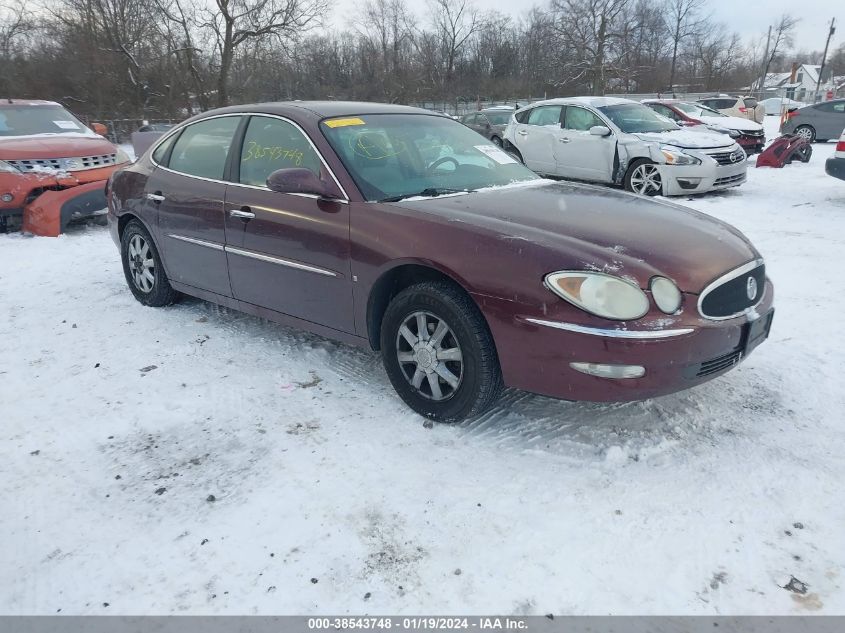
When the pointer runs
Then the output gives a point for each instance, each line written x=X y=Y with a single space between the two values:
x=729 y=158
x=76 y=163
x=734 y=293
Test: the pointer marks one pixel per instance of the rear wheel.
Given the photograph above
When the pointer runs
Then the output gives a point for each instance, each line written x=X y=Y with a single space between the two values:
x=807 y=132
x=439 y=353
x=644 y=178
x=143 y=269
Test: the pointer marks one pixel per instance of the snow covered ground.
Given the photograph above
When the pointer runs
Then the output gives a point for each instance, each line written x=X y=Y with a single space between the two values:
x=197 y=460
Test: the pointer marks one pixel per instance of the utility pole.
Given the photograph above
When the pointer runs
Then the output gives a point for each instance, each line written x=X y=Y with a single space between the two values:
x=765 y=68
x=824 y=55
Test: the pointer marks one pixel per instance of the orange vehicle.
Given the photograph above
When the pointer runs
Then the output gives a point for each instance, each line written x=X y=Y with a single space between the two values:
x=53 y=168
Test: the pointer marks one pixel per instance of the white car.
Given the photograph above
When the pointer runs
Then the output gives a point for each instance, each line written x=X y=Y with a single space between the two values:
x=775 y=106
x=619 y=141
x=743 y=107
x=835 y=165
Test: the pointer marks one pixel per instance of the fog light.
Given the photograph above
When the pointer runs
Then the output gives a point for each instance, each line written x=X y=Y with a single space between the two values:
x=609 y=371
x=7 y=197
x=688 y=183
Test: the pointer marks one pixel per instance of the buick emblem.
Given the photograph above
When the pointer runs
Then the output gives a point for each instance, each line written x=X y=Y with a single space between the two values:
x=751 y=288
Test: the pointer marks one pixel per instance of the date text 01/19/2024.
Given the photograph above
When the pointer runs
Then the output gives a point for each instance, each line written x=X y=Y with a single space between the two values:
x=419 y=623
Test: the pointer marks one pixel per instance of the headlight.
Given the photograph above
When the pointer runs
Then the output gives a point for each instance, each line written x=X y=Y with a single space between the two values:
x=599 y=294
x=674 y=156
x=733 y=133
x=666 y=294
x=121 y=157
x=7 y=168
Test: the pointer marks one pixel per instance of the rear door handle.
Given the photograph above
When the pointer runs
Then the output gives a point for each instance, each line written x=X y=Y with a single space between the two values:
x=244 y=213
x=522 y=133
x=563 y=140
x=156 y=197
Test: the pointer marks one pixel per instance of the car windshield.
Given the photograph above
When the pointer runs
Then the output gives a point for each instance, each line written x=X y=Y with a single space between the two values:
x=698 y=110
x=395 y=156
x=632 y=118
x=498 y=118
x=25 y=120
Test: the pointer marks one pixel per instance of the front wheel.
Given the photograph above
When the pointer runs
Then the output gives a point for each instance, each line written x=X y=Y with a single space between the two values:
x=644 y=178
x=439 y=353
x=143 y=269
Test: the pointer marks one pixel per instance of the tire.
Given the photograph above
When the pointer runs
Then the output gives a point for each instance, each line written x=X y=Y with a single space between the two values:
x=510 y=148
x=806 y=131
x=643 y=171
x=143 y=269
x=466 y=387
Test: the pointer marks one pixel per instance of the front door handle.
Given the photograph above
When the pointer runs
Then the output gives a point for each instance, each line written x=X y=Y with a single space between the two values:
x=563 y=140
x=156 y=197
x=244 y=213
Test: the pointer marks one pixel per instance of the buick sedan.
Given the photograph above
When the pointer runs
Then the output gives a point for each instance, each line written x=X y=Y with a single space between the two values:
x=403 y=231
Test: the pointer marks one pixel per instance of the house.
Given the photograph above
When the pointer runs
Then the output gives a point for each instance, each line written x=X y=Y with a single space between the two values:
x=800 y=84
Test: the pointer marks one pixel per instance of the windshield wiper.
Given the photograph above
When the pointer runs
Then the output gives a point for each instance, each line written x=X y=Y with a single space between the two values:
x=428 y=192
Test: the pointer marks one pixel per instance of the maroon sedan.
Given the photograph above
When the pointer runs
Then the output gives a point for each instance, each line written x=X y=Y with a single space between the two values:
x=747 y=133
x=401 y=230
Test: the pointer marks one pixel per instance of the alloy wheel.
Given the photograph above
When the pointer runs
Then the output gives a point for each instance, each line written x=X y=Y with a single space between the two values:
x=805 y=132
x=645 y=180
x=430 y=356
x=141 y=263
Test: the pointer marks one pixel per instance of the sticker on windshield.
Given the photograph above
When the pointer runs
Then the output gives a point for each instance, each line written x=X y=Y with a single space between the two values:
x=344 y=122
x=66 y=125
x=496 y=153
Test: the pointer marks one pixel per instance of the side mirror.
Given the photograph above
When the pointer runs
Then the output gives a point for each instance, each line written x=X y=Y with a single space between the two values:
x=100 y=129
x=300 y=180
x=600 y=130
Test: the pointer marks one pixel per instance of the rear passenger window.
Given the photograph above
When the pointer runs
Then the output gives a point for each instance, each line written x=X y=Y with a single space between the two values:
x=160 y=152
x=545 y=115
x=202 y=147
x=271 y=144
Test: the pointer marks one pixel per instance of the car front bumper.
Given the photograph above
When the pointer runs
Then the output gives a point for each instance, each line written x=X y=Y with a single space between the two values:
x=536 y=352
x=835 y=166
x=679 y=180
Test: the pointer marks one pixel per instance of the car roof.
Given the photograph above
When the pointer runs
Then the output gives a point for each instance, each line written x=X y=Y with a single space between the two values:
x=26 y=102
x=329 y=108
x=596 y=102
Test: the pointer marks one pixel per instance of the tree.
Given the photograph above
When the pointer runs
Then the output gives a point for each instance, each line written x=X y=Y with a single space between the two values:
x=682 y=21
x=454 y=22
x=236 y=22
x=588 y=29
x=780 y=37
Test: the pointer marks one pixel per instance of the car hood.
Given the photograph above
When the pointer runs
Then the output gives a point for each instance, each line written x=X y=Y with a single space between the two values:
x=732 y=123
x=595 y=228
x=686 y=139
x=53 y=146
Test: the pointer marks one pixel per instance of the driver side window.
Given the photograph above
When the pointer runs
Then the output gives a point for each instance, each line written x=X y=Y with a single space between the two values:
x=271 y=144
x=580 y=119
x=545 y=115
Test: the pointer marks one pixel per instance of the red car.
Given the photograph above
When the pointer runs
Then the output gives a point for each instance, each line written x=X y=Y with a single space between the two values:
x=53 y=168
x=399 y=230
x=747 y=133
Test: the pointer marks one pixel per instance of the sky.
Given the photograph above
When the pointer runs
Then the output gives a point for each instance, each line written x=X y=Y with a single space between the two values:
x=749 y=18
